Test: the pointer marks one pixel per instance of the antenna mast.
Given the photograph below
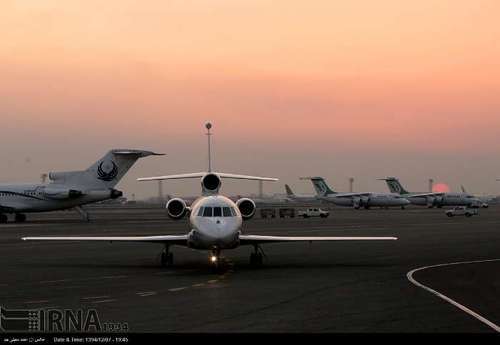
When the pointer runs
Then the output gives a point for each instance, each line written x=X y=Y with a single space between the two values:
x=208 y=126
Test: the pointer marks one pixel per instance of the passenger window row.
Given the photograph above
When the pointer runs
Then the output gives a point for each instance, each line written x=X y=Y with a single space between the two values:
x=216 y=212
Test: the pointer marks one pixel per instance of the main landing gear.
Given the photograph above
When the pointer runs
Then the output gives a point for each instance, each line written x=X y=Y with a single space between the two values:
x=18 y=218
x=167 y=258
x=257 y=257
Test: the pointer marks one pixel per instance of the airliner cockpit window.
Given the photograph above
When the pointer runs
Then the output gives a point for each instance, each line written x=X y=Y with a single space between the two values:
x=207 y=212
x=226 y=211
x=200 y=212
x=217 y=212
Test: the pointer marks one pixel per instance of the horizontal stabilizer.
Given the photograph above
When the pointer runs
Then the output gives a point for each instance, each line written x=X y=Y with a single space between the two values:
x=202 y=174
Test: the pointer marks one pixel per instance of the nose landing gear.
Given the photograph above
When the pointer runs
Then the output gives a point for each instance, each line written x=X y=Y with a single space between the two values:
x=215 y=259
x=167 y=258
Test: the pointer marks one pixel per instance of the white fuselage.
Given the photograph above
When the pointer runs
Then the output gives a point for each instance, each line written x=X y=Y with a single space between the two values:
x=23 y=198
x=448 y=199
x=375 y=200
x=215 y=223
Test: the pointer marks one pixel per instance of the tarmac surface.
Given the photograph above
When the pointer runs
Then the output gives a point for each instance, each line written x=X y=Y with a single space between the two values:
x=302 y=287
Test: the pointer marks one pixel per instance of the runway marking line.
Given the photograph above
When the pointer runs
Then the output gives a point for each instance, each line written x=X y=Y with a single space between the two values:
x=94 y=297
x=54 y=281
x=472 y=313
x=146 y=293
x=104 y=301
x=213 y=281
x=198 y=285
x=113 y=277
x=178 y=289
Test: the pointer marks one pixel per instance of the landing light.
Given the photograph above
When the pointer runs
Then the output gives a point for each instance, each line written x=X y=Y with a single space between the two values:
x=213 y=258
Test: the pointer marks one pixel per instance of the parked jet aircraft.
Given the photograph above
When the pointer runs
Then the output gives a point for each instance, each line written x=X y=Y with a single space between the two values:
x=70 y=189
x=356 y=200
x=434 y=199
x=215 y=221
x=484 y=200
x=300 y=198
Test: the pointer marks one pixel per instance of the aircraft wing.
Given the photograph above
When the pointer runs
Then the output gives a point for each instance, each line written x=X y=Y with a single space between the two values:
x=7 y=209
x=257 y=239
x=170 y=239
x=423 y=195
x=350 y=195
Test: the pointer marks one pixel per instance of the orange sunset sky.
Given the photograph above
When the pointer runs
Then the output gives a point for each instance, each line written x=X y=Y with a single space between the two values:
x=333 y=88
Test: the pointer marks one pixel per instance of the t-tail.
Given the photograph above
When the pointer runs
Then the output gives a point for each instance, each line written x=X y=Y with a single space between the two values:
x=322 y=189
x=103 y=174
x=289 y=191
x=395 y=186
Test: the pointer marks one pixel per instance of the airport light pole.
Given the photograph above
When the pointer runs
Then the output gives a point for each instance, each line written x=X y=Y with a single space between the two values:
x=351 y=184
x=208 y=126
x=431 y=184
x=160 y=191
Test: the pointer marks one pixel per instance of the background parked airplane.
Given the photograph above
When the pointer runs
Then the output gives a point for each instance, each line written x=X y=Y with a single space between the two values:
x=70 y=189
x=299 y=198
x=434 y=199
x=356 y=200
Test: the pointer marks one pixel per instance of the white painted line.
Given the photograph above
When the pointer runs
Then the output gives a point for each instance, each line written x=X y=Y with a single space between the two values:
x=146 y=293
x=198 y=285
x=95 y=297
x=54 y=281
x=104 y=301
x=177 y=289
x=212 y=281
x=472 y=313
x=37 y=302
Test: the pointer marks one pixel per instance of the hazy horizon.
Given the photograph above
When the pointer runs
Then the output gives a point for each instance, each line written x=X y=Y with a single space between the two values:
x=337 y=89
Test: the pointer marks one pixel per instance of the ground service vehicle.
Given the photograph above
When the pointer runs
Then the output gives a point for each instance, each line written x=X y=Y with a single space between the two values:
x=313 y=212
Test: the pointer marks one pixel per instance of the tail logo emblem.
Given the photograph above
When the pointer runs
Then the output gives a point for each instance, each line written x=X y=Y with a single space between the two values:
x=107 y=171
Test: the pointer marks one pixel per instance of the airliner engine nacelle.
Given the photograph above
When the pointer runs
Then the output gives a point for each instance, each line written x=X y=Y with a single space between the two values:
x=247 y=208
x=356 y=202
x=438 y=201
x=430 y=201
x=365 y=201
x=58 y=193
x=176 y=208
x=211 y=183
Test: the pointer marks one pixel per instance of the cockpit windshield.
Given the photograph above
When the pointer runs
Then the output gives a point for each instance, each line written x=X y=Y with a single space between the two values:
x=216 y=212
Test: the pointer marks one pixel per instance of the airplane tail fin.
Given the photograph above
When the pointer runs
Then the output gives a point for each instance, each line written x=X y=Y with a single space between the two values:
x=320 y=185
x=103 y=174
x=289 y=191
x=394 y=185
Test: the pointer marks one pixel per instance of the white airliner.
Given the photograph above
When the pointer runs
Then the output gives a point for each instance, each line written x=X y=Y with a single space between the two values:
x=70 y=189
x=299 y=198
x=215 y=221
x=435 y=199
x=356 y=200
